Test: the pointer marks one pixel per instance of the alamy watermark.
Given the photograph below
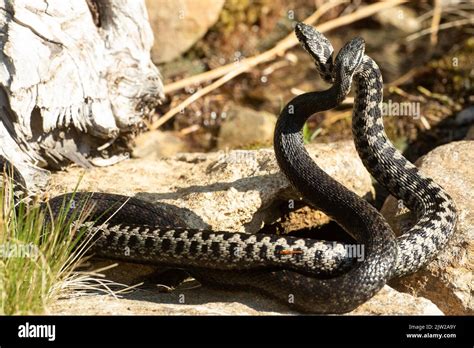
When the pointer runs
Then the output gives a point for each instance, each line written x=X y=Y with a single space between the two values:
x=17 y=250
x=410 y=109
x=352 y=251
x=28 y=330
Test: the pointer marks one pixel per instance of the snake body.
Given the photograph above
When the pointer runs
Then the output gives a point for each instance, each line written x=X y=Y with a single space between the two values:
x=434 y=208
x=134 y=230
x=321 y=276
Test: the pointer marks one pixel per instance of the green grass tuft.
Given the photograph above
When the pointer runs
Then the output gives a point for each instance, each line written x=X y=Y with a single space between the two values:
x=37 y=256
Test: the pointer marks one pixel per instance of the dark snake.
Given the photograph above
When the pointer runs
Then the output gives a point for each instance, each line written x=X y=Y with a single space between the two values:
x=316 y=276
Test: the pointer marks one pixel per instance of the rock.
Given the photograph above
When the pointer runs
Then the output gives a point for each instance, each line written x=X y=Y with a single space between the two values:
x=391 y=302
x=178 y=24
x=246 y=127
x=231 y=191
x=235 y=191
x=448 y=280
x=401 y=17
x=302 y=218
x=199 y=300
x=157 y=144
x=470 y=134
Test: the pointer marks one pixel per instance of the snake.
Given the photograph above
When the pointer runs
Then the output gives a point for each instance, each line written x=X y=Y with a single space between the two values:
x=307 y=274
x=435 y=211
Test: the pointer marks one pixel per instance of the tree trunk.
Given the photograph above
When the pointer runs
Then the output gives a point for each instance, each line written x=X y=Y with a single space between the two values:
x=76 y=80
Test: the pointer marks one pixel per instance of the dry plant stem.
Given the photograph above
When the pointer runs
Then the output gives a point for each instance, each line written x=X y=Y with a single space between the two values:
x=202 y=92
x=251 y=61
x=459 y=10
x=435 y=22
x=287 y=42
x=411 y=97
x=443 y=26
x=231 y=70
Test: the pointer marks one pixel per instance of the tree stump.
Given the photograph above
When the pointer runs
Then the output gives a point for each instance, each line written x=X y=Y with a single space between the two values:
x=76 y=80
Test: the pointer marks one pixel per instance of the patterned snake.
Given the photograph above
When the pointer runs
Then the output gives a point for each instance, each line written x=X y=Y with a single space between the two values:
x=307 y=274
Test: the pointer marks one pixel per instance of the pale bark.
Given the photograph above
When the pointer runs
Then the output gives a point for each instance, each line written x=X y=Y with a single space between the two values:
x=75 y=77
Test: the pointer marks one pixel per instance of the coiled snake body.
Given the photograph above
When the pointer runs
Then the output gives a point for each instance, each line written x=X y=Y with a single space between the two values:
x=434 y=209
x=321 y=277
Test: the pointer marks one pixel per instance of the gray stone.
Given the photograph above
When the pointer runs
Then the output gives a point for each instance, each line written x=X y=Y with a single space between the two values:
x=470 y=134
x=465 y=116
x=448 y=280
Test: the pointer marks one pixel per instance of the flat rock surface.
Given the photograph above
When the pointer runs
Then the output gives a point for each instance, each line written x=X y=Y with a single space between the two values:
x=232 y=191
x=206 y=301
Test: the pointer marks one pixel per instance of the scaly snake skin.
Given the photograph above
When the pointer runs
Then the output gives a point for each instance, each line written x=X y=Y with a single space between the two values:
x=434 y=209
x=315 y=276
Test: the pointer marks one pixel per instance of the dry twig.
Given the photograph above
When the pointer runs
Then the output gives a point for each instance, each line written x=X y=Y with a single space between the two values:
x=443 y=26
x=435 y=22
x=230 y=71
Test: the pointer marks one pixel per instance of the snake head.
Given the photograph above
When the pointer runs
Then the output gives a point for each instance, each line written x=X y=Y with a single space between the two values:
x=319 y=48
x=350 y=57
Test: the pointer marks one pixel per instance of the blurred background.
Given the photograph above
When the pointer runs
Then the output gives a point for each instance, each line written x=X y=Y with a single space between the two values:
x=425 y=50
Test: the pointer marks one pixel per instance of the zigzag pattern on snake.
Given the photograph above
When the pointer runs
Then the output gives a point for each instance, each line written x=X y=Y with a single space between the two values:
x=257 y=261
x=435 y=210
